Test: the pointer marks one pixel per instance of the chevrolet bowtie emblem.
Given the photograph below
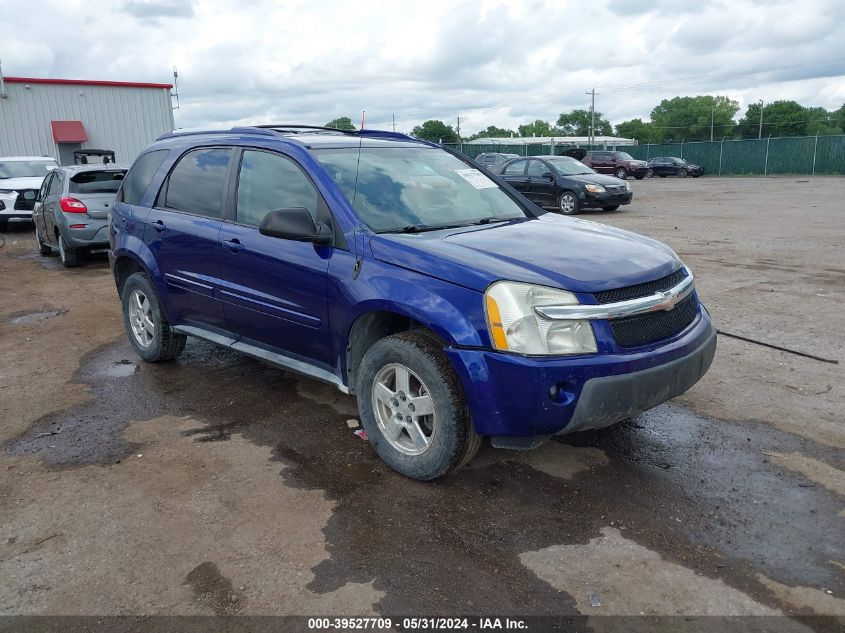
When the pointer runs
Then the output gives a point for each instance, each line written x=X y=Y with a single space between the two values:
x=669 y=301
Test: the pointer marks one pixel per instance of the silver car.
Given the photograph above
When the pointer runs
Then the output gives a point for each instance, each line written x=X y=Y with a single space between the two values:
x=71 y=212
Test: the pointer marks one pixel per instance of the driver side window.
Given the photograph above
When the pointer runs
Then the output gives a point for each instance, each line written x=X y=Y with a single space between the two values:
x=269 y=181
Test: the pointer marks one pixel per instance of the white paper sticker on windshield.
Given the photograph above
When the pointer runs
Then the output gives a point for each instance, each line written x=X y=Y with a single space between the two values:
x=475 y=178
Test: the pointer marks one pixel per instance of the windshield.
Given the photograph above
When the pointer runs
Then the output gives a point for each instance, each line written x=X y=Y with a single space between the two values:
x=569 y=166
x=26 y=168
x=401 y=187
x=624 y=156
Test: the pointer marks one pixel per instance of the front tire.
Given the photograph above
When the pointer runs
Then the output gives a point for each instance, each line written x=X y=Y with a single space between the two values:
x=146 y=325
x=621 y=173
x=649 y=173
x=611 y=208
x=68 y=256
x=568 y=203
x=682 y=173
x=413 y=408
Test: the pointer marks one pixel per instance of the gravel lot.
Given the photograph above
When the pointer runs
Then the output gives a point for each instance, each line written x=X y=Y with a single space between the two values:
x=218 y=485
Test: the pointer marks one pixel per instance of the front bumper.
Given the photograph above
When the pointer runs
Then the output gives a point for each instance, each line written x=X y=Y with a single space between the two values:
x=535 y=397
x=607 y=198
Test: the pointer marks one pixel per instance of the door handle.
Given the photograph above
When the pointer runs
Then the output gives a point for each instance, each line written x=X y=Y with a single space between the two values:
x=234 y=245
x=159 y=226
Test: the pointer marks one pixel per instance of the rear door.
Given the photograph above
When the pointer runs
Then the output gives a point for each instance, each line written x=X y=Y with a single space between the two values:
x=514 y=175
x=274 y=290
x=182 y=231
x=541 y=188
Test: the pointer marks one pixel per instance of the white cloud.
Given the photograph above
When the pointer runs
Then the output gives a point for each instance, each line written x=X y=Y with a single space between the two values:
x=302 y=61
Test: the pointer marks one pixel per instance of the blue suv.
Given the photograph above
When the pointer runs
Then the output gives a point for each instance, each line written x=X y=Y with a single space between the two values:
x=446 y=302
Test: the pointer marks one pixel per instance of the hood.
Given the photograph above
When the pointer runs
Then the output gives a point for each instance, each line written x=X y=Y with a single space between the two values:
x=550 y=250
x=596 y=179
x=16 y=184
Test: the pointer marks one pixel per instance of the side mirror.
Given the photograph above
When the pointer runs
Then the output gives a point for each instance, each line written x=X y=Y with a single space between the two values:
x=296 y=224
x=548 y=175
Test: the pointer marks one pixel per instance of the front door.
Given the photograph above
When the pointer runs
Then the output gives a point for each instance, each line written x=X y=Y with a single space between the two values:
x=182 y=231
x=274 y=290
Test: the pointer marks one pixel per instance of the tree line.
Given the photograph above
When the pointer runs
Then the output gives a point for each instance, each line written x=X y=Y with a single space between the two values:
x=679 y=119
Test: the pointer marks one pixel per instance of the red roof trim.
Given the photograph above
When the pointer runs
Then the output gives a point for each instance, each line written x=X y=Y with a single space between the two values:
x=84 y=82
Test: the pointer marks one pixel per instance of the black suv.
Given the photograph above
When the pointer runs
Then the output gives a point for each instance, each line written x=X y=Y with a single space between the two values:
x=671 y=166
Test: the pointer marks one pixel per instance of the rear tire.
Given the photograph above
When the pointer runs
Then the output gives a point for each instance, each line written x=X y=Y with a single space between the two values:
x=397 y=372
x=146 y=325
x=69 y=256
x=568 y=203
x=640 y=177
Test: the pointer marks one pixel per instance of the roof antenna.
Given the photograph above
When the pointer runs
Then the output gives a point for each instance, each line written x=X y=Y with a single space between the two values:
x=175 y=92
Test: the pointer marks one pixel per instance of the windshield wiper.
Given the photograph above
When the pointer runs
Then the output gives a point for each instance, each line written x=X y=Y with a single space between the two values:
x=420 y=228
x=492 y=218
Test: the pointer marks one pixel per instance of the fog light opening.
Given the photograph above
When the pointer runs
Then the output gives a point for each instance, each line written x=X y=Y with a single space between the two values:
x=562 y=393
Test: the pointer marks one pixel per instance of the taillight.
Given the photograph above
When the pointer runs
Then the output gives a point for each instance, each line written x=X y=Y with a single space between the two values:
x=72 y=205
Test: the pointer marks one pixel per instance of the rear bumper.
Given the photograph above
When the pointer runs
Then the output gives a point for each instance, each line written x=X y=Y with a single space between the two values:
x=535 y=397
x=95 y=234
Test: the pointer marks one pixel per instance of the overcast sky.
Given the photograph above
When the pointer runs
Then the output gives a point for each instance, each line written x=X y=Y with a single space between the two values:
x=502 y=63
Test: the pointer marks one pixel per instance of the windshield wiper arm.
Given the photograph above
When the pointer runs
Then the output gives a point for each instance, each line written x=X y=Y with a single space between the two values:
x=419 y=228
x=492 y=218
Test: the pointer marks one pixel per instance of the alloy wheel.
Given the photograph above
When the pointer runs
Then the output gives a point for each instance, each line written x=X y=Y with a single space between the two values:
x=141 y=318
x=404 y=409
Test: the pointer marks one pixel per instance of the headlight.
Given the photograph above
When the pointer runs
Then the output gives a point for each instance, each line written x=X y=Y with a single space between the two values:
x=515 y=326
x=7 y=191
x=595 y=188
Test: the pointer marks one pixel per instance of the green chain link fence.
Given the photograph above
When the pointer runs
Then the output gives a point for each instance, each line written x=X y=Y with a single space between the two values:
x=797 y=155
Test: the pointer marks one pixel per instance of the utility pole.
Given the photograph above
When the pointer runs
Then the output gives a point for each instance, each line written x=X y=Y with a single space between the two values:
x=592 y=94
x=459 y=127
x=760 y=131
x=712 y=113
x=393 y=116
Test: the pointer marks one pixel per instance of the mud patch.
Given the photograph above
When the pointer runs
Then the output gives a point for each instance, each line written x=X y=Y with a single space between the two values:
x=601 y=574
x=213 y=590
x=27 y=318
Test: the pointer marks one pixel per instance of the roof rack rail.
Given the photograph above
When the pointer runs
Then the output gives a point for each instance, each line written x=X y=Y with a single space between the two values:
x=301 y=129
x=198 y=130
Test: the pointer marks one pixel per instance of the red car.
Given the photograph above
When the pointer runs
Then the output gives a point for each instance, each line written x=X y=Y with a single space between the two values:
x=620 y=164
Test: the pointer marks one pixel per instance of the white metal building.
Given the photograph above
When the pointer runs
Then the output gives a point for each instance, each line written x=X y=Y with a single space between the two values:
x=54 y=117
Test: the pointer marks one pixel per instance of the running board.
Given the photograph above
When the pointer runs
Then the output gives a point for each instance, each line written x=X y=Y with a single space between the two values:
x=283 y=362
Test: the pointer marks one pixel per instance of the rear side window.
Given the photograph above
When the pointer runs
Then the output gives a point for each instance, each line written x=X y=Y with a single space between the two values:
x=96 y=182
x=270 y=181
x=198 y=182
x=139 y=177
x=516 y=168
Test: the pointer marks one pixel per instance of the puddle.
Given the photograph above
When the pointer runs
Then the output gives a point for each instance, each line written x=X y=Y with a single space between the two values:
x=25 y=318
x=699 y=492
